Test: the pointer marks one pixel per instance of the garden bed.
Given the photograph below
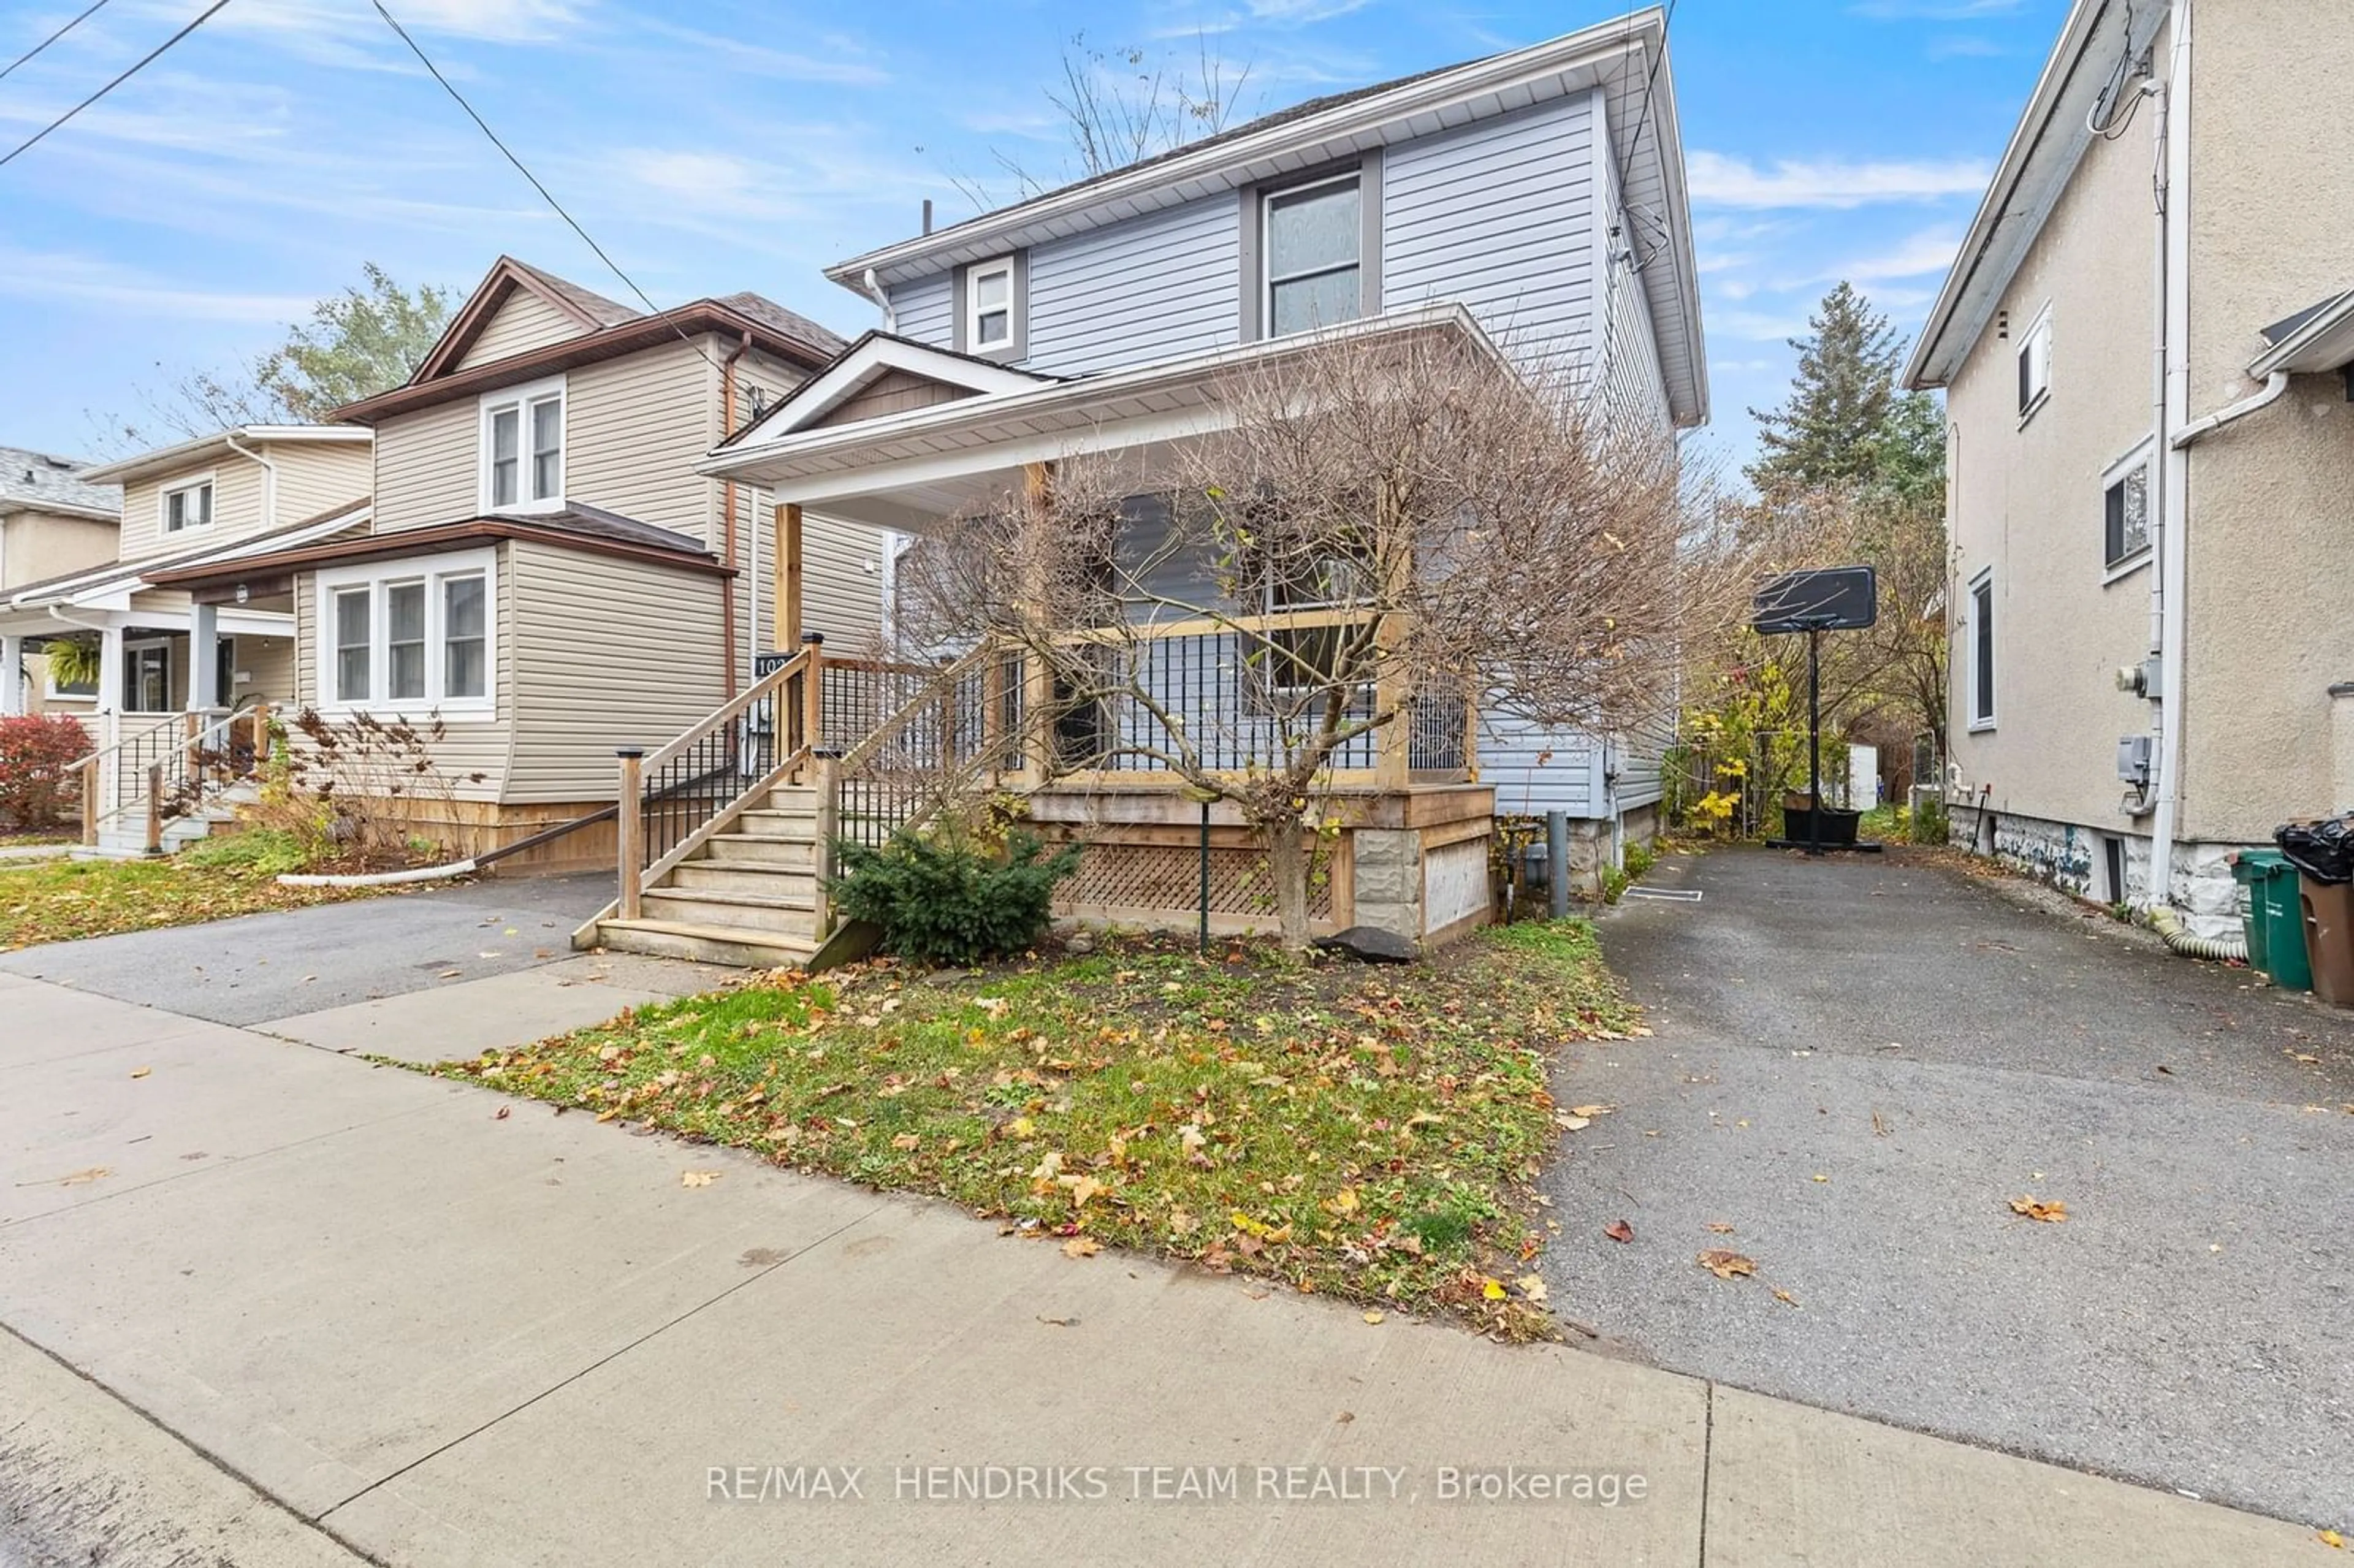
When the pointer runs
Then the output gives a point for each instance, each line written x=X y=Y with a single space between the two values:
x=1364 y=1132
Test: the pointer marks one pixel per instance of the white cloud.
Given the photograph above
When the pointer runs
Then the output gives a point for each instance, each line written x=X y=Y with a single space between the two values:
x=1922 y=255
x=1965 y=46
x=1721 y=180
x=85 y=280
x=846 y=64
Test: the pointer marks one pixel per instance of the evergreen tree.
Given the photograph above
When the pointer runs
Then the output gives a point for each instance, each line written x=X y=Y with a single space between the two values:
x=1828 y=431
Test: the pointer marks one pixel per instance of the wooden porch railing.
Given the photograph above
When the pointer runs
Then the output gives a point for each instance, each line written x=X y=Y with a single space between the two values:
x=166 y=769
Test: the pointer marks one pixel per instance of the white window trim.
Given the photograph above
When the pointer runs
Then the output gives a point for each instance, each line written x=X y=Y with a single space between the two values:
x=1268 y=196
x=520 y=398
x=2041 y=324
x=2144 y=455
x=974 y=312
x=378 y=575
x=1985 y=579
x=163 y=505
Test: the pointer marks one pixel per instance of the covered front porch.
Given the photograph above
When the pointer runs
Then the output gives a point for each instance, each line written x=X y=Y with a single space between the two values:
x=1105 y=732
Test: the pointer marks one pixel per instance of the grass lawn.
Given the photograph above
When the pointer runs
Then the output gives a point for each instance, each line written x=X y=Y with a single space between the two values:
x=1364 y=1132
x=57 y=901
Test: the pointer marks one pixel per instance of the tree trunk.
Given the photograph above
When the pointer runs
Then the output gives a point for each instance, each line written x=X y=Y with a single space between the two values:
x=1289 y=861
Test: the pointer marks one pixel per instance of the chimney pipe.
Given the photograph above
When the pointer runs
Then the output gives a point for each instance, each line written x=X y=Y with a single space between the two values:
x=928 y=215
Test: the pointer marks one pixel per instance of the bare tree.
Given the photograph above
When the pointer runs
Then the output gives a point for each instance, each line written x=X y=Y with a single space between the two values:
x=1117 y=107
x=1374 y=536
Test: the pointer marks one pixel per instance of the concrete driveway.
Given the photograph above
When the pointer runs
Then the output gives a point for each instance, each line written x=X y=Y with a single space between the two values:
x=443 y=971
x=1857 y=1064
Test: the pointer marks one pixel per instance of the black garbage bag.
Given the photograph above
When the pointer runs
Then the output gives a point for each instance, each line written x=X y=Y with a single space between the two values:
x=2323 y=850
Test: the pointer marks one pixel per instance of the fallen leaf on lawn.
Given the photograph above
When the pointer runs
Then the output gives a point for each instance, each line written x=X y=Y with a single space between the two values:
x=1725 y=1265
x=907 y=1140
x=1531 y=1286
x=1082 y=1188
x=2034 y=1209
x=1182 y=1224
x=1021 y=1127
x=697 y=1178
x=141 y=1072
x=1619 y=1231
x=1719 y=1227
x=1373 y=1317
x=1082 y=1246
x=1493 y=1290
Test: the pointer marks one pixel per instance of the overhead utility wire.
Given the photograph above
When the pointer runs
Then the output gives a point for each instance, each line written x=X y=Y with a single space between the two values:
x=545 y=195
x=134 y=70
x=52 y=39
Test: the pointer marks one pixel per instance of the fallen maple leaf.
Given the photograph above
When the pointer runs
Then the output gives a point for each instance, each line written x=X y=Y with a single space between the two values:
x=697 y=1178
x=1082 y=1246
x=1373 y=1317
x=2331 y=1539
x=907 y=1140
x=1531 y=1286
x=1725 y=1265
x=1492 y=1290
x=2049 y=1214
x=1619 y=1231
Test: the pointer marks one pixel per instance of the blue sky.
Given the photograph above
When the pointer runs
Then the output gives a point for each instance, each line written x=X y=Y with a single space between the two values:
x=729 y=145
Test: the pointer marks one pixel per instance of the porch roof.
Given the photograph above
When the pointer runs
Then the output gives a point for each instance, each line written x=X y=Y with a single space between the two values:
x=908 y=470
x=110 y=586
x=578 y=527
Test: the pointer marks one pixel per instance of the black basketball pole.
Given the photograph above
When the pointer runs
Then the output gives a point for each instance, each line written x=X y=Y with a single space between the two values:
x=1814 y=742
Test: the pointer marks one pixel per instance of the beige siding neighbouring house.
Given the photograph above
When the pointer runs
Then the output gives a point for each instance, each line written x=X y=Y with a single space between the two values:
x=608 y=653
x=236 y=508
x=524 y=321
x=313 y=479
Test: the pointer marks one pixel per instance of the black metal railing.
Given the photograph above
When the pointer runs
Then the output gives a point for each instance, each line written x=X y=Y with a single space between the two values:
x=1438 y=733
x=1232 y=699
x=952 y=729
x=690 y=784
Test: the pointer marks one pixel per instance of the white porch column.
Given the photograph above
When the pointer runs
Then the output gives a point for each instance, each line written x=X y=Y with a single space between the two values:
x=110 y=670
x=12 y=676
x=204 y=657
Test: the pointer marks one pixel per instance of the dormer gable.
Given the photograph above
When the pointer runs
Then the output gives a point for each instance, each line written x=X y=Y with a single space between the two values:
x=514 y=310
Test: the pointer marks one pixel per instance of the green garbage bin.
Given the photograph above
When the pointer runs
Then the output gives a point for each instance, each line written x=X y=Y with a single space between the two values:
x=2275 y=917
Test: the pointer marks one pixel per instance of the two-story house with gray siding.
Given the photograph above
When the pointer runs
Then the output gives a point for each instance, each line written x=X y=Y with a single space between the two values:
x=1530 y=204
x=540 y=567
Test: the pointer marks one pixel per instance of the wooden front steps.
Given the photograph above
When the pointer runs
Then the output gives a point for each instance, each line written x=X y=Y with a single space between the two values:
x=746 y=896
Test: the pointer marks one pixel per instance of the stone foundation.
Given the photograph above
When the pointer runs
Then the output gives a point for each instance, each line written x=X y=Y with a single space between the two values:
x=2071 y=856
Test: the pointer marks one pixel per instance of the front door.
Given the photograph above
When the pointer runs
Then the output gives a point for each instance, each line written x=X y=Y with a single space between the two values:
x=147 y=678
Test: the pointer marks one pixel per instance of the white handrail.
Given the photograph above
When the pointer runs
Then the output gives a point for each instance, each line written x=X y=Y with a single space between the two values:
x=218 y=730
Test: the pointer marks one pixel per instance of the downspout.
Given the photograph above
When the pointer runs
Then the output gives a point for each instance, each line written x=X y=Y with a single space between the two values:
x=728 y=503
x=2276 y=387
x=269 y=479
x=871 y=287
x=2173 y=545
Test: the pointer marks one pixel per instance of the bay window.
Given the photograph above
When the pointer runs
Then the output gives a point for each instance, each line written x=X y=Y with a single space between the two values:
x=523 y=447
x=409 y=636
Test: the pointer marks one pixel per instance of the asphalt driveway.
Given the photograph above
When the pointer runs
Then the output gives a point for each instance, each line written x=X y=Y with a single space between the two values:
x=1857 y=1064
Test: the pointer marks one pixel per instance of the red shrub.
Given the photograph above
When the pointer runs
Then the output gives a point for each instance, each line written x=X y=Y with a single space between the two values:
x=35 y=754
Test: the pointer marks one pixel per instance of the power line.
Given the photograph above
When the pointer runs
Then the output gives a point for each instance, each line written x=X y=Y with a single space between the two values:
x=52 y=39
x=110 y=86
x=547 y=195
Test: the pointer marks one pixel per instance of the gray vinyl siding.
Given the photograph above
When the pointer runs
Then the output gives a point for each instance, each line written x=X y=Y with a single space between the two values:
x=311 y=479
x=1632 y=384
x=524 y=322
x=924 y=309
x=607 y=652
x=1153 y=288
x=1499 y=216
x=425 y=467
x=475 y=746
x=1535 y=770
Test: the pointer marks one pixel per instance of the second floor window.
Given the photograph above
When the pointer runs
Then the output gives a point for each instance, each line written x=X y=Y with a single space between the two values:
x=523 y=447
x=1312 y=240
x=2125 y=525
x=188 y=506
x=2035 y=365
x=991 y=289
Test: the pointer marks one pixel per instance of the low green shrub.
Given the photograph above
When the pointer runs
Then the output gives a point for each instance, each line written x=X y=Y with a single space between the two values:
x=264 y=851
x=1928 y=824
x=1640 y=859
x=949 y=901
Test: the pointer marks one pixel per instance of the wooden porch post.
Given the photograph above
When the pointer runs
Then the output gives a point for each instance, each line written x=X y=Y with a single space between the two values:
x=156 y=807
x=829 y=823
x=787 y=562
x=993 y=713
x=1037 y=677
x=813 y=692
x=90 y=802
x=630 y=830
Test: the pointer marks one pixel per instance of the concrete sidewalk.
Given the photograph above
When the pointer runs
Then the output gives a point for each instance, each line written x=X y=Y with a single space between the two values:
x=411 y=1321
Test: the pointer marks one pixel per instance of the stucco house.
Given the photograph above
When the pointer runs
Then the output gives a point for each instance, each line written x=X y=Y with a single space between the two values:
x=1530 y=206
x=53 y=523
x=540 y=565
x=2144 y=346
